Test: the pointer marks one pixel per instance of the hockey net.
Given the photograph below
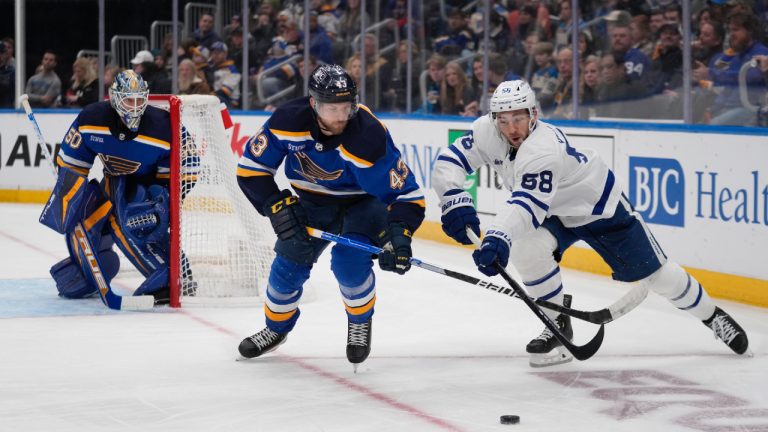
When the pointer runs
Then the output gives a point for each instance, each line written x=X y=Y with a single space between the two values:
x=221 y=248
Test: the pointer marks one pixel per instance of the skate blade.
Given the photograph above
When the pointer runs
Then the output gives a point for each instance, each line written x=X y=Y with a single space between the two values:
x=552 y=358
x=354 y=367
x=748 y=353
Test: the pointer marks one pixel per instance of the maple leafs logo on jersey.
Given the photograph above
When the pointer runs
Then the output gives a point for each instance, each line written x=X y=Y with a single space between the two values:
x=114 y=165
x=312 y=171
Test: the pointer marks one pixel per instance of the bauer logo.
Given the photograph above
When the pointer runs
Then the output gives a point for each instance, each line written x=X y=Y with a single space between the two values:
x=657 y=190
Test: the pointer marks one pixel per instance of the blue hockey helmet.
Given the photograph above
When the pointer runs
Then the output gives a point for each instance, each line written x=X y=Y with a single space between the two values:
x=128 y=96
x=332 y=84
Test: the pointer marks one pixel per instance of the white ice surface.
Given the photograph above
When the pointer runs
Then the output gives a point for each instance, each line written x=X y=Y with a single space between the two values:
x=446 y=356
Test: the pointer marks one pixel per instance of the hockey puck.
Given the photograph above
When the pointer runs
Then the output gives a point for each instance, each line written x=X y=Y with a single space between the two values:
x=509 y=419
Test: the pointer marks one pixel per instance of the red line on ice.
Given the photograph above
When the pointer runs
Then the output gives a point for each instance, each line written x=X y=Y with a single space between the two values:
x=345 y=382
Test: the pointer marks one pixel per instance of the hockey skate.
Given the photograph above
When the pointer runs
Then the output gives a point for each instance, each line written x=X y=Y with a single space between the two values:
x=358 y=342
x=729 y=331
x=261 y=343
x=545 y=349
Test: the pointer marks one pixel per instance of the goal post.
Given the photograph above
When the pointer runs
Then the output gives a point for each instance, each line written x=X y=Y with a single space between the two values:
x=220 y=247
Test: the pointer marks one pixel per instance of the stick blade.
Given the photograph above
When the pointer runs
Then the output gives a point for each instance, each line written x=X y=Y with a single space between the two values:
x=588 y=350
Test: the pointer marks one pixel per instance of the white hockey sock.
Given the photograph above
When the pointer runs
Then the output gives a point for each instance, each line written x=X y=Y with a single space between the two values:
x=682 y=290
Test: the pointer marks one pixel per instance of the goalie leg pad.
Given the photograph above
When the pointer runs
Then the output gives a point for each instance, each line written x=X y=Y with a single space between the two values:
x=69 y=274
x=353 y=269
x=63 y=208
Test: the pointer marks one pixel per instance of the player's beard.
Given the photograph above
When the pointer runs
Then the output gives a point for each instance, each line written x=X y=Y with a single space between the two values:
x=333 y=127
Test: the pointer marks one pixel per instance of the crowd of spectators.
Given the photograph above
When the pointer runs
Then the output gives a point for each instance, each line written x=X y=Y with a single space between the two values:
x=630 y=57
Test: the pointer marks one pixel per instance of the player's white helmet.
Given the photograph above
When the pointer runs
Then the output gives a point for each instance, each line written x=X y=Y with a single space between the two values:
x=514 y=95
x=128 y=96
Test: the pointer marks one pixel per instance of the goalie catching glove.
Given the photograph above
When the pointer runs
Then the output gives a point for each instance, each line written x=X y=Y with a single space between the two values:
x=287 y=216
x=396 y=242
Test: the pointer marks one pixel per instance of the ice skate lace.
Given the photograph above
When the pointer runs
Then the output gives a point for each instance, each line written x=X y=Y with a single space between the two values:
x=723 y=329
x=358 y=334
x=264 y=338
x=545 y=335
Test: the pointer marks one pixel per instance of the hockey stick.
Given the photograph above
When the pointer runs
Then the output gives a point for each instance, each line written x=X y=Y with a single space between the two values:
x=83 y=243
x=596 y=317
x=581 y=352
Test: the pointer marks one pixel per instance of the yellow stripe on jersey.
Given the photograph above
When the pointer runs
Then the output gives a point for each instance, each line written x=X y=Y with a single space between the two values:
x=68 y=197
x=276 y=316
x=361 y=309
x=153 y=141
x=346 y=155
x=98 y=215
x=92 y=129
x=242 y=172
x=368 y=110
x=291 y=136
x=163 y=176
x=80 y=170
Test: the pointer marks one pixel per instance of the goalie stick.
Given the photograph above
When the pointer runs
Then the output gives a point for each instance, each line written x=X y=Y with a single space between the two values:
x=602 y=316
x=84 y=247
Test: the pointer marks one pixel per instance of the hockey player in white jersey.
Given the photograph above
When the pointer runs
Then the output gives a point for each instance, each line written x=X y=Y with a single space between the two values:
x=558 y=195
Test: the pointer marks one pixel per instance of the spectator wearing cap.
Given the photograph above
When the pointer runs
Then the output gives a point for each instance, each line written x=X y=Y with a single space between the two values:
x=204 y=33
x=7 y=78
x=328 y=14
x=235 y=46
x=637 y=64
x=667 y=65
x=723 y=72
x=522 y=23
x=667 y=73
x=157 y=79
x=458 y=38
x=44 y=88
x=226 y=76
x=672 y=14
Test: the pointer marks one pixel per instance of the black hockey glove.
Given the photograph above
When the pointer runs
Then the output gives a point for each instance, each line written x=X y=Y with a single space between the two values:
x=396 y=242
x=288 y=217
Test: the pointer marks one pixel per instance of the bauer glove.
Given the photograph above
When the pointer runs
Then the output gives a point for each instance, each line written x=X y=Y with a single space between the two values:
x=288 y=217
x=458 y=214
x=396 y=242
x=495 y=248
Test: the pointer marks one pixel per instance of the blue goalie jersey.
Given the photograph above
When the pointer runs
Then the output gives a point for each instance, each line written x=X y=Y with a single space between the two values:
x=97 y=131
x=362 y=160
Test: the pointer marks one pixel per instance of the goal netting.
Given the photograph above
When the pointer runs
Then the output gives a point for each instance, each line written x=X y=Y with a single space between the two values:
x=221 y=248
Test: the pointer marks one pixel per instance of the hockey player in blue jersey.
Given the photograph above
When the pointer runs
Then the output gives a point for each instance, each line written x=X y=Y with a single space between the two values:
x=348 y=178
x=559 y=195
x=130 y=205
